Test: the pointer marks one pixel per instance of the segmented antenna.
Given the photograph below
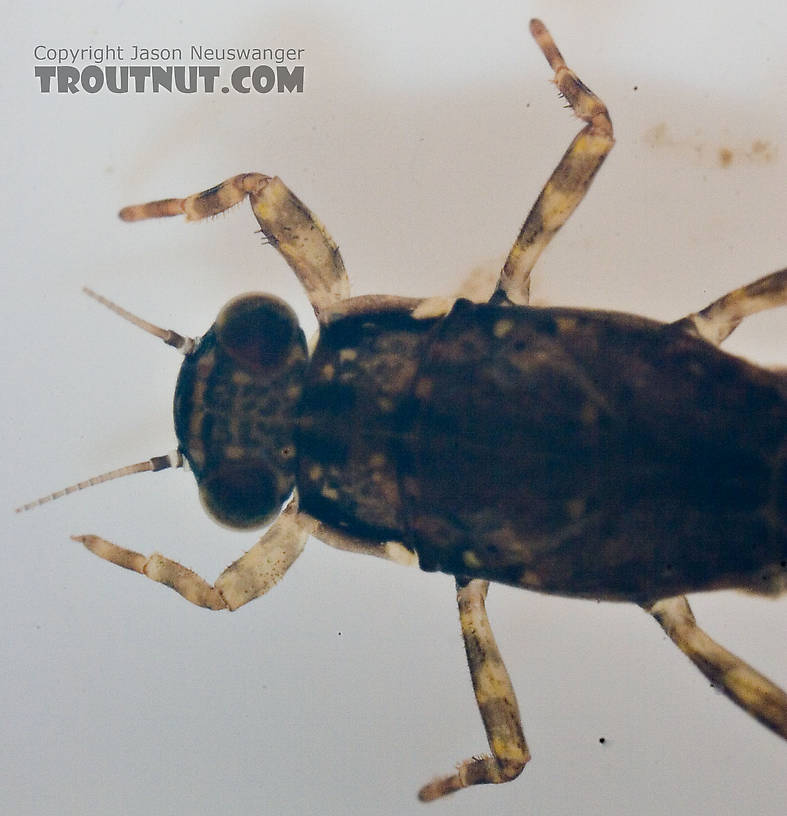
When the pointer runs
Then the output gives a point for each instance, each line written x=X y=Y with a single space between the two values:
x=155 y=463
x=185 y=345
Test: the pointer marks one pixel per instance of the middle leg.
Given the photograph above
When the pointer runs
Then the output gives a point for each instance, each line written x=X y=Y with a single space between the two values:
x=496 y=702
x=569 y=181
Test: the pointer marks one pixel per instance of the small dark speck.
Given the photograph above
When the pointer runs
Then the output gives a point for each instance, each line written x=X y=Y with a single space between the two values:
x=602 y=740
x=339 y=633
x=636 y=87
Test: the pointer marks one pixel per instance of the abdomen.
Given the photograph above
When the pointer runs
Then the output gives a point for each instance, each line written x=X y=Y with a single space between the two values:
x=596 y=454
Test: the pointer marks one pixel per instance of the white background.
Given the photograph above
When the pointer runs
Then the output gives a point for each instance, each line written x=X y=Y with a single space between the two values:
x=421 y=139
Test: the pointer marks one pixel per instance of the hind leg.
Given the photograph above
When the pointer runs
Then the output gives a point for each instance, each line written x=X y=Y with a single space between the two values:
x=745 y=686
x=717 y=321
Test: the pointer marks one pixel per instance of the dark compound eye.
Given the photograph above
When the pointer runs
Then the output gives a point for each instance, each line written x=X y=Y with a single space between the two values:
x=257 y=331
x=241 y=494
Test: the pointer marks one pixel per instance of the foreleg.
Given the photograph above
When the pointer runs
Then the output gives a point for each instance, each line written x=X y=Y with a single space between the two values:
x=285 y=221
x=252 y=575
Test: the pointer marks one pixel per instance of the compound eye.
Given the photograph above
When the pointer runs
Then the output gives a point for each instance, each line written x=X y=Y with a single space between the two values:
x=241 y=494
x=257 y=331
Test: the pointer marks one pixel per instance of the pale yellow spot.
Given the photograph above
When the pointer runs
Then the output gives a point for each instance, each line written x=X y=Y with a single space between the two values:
x=240 y=378
x=514 y=255
x=396 y=551
x=328 y=371
x=195 y=446
x=315 y=473
x=471 y=560
x=589 y=414
x=377 y=460
x=556 y=206
x=424 y=388
x=575 y=508
x=385 y=405
x=411 y=486
x=275 y=194
x=347 y=354
x=591 y=144
x=234 y=452
x=502 y=327
x=197 y=453
x=491 y=682
x=206 y=363
x=435 y=306
x=530 y=578
x=566 y=324
x=330 y=493
x=508 y=749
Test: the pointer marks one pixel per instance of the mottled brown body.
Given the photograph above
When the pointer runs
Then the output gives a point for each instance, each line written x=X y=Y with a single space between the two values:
x=574 y=452
x=357 y=419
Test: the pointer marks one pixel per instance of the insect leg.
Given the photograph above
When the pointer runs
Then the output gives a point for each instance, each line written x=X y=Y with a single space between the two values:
x=496 y=702
x=334 y=537
x=284 y=220
x=252 y=575
x=569 y=181
x=745 y=686
x=718 y=320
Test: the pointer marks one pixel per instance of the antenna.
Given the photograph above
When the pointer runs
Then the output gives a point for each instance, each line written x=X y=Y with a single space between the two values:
x=155 y=463
x=185 y=345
